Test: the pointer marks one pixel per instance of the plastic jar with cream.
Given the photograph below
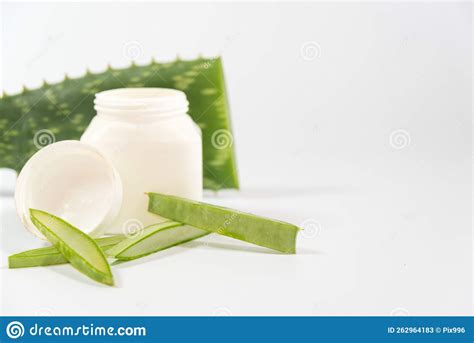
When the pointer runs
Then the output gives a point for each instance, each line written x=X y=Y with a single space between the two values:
x=153 y=145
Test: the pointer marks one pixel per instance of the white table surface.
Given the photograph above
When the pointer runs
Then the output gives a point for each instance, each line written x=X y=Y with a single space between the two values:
x=378 y=251
x=370 y=136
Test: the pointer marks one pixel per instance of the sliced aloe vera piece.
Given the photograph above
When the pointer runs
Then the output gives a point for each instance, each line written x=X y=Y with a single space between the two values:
x=153 y=239
x=60 y=111
x=261 y=231
x=51 y=256
x=79 y=249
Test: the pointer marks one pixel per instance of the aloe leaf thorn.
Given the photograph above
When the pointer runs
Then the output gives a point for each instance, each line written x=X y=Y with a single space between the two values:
x=201 y=79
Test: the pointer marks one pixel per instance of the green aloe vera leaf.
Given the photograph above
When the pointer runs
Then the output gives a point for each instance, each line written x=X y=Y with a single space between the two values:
x=63 y=110
x=82 y=252
x=155 y=238
x=49 y=256
x=261 y=231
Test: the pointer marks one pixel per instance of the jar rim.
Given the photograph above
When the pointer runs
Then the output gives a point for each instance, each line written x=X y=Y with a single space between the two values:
x=150 y=100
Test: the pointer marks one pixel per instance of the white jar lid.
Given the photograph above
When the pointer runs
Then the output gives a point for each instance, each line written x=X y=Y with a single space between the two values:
x=73 y=181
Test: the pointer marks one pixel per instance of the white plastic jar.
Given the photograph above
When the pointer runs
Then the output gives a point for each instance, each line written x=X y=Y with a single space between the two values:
x=153 y=145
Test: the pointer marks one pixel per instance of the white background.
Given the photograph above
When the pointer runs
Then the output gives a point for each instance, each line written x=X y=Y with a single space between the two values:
x=352 y=120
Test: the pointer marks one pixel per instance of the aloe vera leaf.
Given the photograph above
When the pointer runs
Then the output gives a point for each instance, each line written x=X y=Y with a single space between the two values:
x=261 y=231
x=78 y=248
x=49 y=256
x=155 y=238
x=63 y=111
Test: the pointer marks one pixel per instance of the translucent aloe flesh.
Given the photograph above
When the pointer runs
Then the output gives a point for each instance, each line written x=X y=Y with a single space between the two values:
x=66 y=108
x=261 y=231
x=51 y=256
x=155 y=238
x=82 y=252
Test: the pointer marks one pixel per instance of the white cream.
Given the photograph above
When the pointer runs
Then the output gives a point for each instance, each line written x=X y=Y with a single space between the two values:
x=153 y=145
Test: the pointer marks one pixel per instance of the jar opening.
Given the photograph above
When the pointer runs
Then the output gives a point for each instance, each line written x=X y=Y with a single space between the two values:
x=149 y=101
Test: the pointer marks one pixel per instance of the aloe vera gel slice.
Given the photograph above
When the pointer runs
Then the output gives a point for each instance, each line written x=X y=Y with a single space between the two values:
x=261 y=231
x=51 y=256
x=153 y=239
x=78 y=248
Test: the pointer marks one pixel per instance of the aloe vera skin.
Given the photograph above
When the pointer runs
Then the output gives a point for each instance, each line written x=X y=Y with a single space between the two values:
x=65 y=109
x=246 y=227
x=74 y=244
x=155 y=238
x=50 y=256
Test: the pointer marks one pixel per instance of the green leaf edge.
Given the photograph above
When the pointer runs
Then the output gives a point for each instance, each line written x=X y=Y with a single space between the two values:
x=161 y=249
x=217 y=60
x=135 y=241
x=295 y=231
x=107 y=277
x=15 y=261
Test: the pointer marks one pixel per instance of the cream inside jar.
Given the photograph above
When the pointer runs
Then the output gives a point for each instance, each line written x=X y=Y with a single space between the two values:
x=73 y=181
